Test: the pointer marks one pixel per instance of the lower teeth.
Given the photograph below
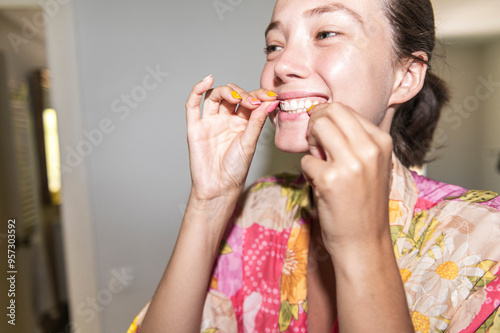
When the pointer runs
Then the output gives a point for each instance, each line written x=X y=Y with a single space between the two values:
x=297 y=111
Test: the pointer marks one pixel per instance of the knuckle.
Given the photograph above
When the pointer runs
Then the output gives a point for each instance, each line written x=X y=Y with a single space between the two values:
x=371 y=151
x=329 y=177
x=355 y=166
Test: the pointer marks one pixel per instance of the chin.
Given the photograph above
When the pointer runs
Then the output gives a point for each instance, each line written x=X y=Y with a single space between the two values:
x=294 y=146
x=290 y=136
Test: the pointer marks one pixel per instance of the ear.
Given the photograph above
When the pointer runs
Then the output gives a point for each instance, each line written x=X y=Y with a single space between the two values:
x=410 y=77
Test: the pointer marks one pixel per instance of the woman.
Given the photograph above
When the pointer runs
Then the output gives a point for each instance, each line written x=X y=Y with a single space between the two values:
x=356 y=244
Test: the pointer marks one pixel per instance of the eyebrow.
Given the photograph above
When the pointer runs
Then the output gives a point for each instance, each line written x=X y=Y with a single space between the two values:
x=332 y=8
x=272 y=26
x=329 y=8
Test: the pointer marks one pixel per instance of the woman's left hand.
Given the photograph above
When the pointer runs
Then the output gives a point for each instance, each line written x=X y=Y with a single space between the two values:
x=349 y=168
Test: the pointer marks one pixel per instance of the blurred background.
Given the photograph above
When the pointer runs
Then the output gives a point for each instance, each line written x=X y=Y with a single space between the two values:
x=94 y=164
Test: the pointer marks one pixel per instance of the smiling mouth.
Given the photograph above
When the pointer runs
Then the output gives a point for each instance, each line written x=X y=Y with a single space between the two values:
x=298 y=105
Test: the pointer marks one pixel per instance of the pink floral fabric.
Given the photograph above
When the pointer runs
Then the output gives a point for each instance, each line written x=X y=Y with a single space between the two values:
x=446 y=242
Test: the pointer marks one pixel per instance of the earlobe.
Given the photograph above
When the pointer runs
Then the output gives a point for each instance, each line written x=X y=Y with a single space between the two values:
x=410 y=80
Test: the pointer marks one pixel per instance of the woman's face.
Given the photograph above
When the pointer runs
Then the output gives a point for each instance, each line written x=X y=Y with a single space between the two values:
x=322 y=51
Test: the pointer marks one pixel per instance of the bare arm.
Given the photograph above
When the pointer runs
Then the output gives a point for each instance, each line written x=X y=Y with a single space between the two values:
x=177 y=305
x=349 y=169
x=221 y=148
x=370 y=292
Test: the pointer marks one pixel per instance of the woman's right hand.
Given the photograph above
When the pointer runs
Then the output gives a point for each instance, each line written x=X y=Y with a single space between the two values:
x=223 y=140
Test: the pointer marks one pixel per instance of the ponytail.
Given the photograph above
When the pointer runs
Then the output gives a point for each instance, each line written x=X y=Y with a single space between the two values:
x=414 y=123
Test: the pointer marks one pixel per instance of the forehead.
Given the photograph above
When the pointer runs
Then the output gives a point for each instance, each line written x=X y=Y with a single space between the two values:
x=363 y=11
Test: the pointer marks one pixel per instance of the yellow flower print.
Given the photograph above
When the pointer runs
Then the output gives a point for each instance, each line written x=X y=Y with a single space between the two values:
x=426 y=315
x=294 y=275
x=406 y=268
x=394 y=211
x=476 y=196
x=296 y=197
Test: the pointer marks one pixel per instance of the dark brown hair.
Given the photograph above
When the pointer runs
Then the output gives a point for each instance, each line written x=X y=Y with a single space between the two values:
x=414 y=123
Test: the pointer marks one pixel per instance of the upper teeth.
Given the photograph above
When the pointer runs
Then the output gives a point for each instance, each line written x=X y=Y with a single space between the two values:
x=297 y=106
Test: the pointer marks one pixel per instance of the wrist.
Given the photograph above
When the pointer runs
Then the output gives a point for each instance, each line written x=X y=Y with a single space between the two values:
x=367 y=252
x=211 y=204
x=209 y=216
x=209 y=196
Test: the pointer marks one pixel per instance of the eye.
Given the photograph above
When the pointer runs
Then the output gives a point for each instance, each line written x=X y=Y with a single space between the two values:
x=271 y=48
x=326 y=34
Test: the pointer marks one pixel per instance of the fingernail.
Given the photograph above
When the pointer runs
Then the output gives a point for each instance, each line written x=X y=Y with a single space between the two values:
x=272 y=106
x=271 y=93
x=208 y=77
x=235 y=95
x=309 y=110
x=254 y=101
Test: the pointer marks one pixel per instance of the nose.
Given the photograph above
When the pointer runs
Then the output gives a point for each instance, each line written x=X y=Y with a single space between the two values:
x=293 y=63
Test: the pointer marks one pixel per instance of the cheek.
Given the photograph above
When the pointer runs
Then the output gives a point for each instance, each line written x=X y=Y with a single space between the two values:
x=339 y=66
x=333 y=63
x=357 y=79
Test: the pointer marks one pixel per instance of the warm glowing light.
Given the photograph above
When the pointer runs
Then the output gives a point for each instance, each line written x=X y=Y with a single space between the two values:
x=52 y=155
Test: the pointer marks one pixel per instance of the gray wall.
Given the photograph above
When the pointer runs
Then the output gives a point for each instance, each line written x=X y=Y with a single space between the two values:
x=138 y=175
x=468 y=137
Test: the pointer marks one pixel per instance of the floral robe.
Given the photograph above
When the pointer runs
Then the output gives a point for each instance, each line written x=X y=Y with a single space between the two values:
x=446 y=242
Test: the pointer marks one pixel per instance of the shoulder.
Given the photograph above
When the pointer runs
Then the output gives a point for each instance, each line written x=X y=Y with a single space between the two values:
x=450 y=254
x=432 y=192
x=471 y=217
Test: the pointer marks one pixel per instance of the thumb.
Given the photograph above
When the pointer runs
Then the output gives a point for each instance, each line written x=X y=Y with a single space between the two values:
x=255 y=123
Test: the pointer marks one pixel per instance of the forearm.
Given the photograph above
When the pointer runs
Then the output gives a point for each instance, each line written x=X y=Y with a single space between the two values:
x=177 y=305
x=370 y=293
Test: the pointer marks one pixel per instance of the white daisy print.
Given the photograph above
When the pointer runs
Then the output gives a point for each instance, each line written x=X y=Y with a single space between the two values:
x=406 y=266
x=426 y=314
x=449 y=271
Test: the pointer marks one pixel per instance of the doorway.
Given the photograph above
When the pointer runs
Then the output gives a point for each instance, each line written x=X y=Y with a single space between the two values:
x=30 y=180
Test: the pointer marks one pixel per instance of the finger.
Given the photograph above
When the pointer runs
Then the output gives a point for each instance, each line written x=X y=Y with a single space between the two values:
x=254 y=98
x=250 y=100
x=243 y=112
x=312 y=167
x=195 y=97
x=226 y=107
x=264 y=95
x=364 y=137
x=256 y=121
x=323 y=133
x=214 y=97
x=238 y=110
x=349 y=122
